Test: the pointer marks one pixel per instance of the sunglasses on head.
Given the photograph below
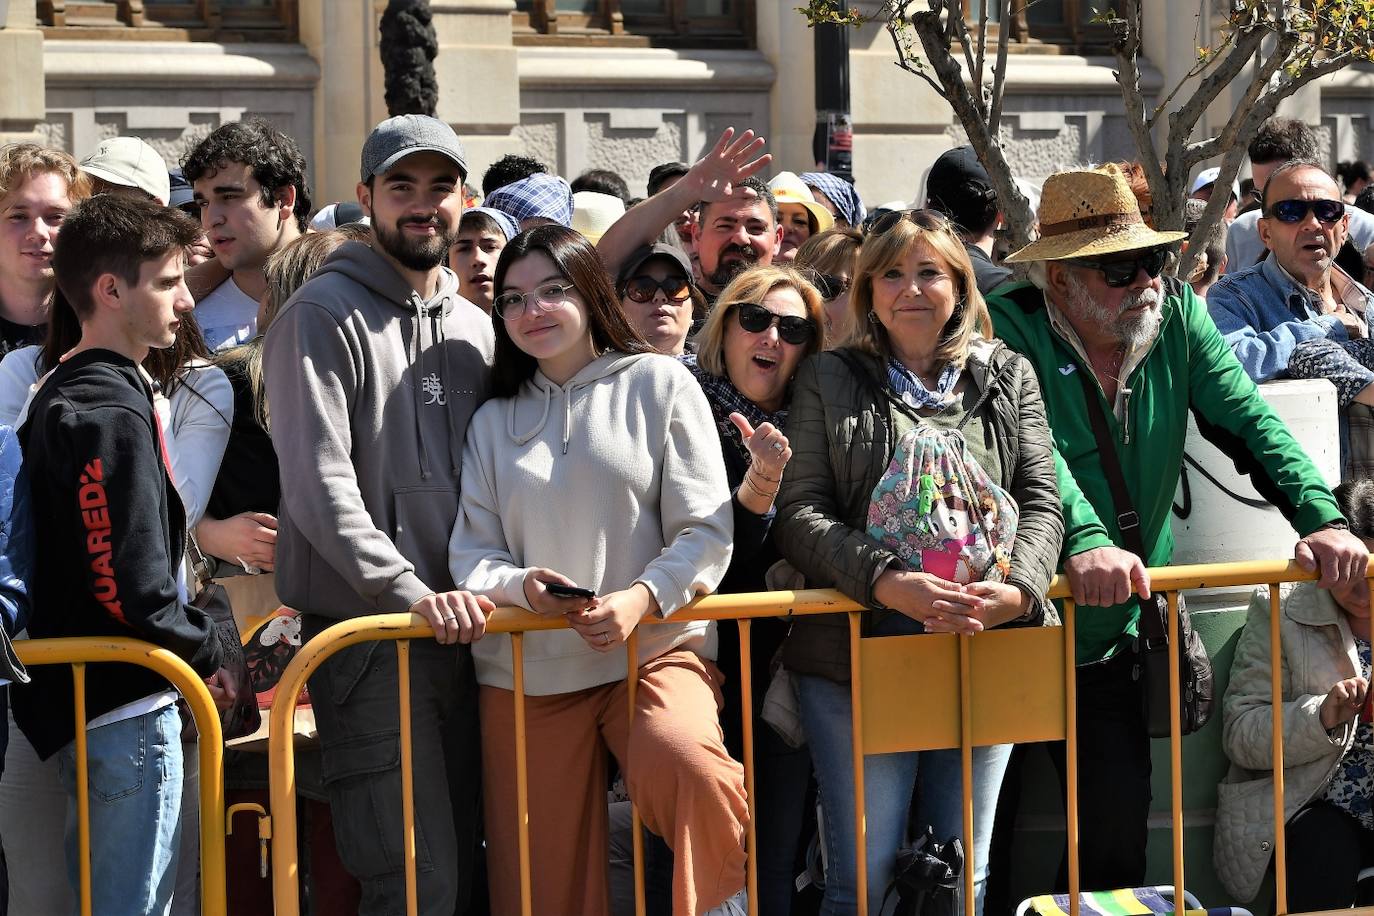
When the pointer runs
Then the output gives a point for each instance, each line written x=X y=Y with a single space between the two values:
x=792 y=329
x=1120 y=272
x=642 y=289
x=1295 y=211
x=928 y=220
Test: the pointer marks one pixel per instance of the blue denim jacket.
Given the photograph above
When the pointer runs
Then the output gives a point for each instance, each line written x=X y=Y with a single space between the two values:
x=1263 y=314
x=16 y=566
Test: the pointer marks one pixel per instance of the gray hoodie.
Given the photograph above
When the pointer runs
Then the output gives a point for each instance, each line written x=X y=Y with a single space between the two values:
x=371 y=390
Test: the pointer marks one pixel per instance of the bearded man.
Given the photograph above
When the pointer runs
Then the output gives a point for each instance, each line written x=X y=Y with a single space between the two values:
x=374 y=368
x=1097 y=308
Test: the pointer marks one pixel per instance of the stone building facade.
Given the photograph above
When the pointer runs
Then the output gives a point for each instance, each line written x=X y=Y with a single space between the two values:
x=621 y=84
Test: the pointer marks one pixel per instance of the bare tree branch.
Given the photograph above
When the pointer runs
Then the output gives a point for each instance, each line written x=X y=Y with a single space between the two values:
x=1185 y=119
x=982 y=43
x=999 y=72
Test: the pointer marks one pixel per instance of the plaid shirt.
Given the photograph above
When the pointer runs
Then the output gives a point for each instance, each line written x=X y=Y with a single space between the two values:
x=539 y=196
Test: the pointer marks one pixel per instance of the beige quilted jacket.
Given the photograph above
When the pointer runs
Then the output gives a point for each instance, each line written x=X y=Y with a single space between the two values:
x=1318 y=651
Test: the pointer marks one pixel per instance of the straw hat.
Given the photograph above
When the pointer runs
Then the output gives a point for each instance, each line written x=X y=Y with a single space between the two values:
x=594 y=213
x=788 y=188
x=1084 y=214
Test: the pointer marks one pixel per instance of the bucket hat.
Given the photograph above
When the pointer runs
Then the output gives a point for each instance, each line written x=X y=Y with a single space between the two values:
x=1089 y=213
x=594 y=213
x=788 y=188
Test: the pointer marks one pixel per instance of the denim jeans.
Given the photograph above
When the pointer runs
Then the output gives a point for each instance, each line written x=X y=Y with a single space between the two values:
x=890 y=780
x=135 y=773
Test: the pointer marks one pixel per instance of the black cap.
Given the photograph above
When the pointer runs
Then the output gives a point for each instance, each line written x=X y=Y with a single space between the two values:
x=664 y=172
x=656 y=250
x=959 y=187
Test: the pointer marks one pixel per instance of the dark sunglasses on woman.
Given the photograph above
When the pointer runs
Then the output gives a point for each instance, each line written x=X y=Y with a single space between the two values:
x=792 y=329
x=1295 y=211
x=831 y=286
x=642 y=289
x=1119 y=272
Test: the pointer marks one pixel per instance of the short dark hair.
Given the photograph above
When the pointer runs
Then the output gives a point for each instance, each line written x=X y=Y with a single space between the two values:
x=1349 y=172
x=1355 y=499
x=602 y=181
x=510 y=169
x=663 y=173
x=1292 y=165
x=758 y=187
x=1365 y=199
x=273 y=157
x=578 y=262
x=1279 y=139
x=112 y=234
x=476 y=221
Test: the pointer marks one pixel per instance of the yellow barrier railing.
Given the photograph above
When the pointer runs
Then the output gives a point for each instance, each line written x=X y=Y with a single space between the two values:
x=81 y=651
x=877 y=728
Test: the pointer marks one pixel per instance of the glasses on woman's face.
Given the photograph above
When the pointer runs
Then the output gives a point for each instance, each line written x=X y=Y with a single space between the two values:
x=549 y=296
x=928 y=220
x=642 y=288
x=832 y=287
x=754 y=318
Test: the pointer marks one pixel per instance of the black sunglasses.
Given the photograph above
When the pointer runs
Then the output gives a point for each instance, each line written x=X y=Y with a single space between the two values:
x=1295 y=211
x=831 y=286
x=755 y=318
x=1122 y=272
x=642 y=289
x=929 y=220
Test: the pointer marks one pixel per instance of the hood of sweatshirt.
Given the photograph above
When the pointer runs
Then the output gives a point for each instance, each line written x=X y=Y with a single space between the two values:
x=362 y=264
x=541 y=392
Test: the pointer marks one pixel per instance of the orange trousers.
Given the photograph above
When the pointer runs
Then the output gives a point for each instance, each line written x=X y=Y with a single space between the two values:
x=688 y=788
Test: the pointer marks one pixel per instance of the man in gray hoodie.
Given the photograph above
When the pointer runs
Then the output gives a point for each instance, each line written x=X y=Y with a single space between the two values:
x=374 y=368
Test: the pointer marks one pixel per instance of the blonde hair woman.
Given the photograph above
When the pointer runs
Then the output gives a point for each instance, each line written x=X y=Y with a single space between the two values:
x=919 y=355
x=766 y=322
x=833 y=257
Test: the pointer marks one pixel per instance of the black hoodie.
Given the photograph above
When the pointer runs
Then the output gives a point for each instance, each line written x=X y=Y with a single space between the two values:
x=111 y=531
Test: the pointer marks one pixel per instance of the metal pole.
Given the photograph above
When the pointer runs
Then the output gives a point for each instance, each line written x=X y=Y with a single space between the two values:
x=832 y=143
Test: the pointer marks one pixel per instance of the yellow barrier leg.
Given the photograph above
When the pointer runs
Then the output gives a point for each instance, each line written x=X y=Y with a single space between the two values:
x=746 y=690
x=857 y=749
x=83 y=799
x=966 y=766
x=1071 y=750
x=1176 y=751
x=1276 y=709
x=636 y=828
x=522 y=778
x=407 y=778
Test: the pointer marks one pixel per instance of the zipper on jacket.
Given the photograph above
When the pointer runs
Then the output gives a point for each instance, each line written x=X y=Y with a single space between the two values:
x=1125 y=416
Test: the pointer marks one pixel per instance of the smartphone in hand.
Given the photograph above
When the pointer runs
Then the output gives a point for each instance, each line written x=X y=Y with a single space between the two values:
x=559 y=590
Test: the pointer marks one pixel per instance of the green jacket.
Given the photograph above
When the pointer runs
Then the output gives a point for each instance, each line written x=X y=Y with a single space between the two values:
x=1188 y=367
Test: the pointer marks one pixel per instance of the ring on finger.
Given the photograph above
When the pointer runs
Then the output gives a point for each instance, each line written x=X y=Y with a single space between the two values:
x=605 y=639
x=778 y=447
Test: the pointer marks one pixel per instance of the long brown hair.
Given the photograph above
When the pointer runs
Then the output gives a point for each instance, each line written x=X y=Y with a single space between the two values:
x=581 y=266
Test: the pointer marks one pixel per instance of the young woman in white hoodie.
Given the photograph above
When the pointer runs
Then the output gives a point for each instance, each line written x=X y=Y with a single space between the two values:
x=596 y=464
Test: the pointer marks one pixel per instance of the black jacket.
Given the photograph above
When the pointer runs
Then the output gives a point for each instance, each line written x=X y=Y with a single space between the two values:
x=111 y=531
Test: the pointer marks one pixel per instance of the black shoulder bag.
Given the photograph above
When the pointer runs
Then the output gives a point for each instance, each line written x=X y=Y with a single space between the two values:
x=1194 y=667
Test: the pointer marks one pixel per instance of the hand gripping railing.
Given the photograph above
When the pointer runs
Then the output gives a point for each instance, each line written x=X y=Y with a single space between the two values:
x=81 y=651
x=985 y=666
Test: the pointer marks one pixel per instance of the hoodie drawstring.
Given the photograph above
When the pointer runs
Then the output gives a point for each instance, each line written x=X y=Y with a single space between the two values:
x=455 y=448
x=567 y=417
x=418 y=376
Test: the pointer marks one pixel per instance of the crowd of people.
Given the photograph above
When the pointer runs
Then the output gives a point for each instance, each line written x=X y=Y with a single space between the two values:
x=551 y=395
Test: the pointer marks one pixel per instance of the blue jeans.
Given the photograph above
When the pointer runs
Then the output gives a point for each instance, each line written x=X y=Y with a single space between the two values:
x=889 y=783
x=135 y=773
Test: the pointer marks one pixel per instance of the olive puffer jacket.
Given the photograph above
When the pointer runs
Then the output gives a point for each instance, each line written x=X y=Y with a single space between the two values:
x=841 y=431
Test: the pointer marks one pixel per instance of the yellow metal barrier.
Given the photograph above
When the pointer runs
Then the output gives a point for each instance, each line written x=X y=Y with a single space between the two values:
x=1016 y=663
x=81 y=651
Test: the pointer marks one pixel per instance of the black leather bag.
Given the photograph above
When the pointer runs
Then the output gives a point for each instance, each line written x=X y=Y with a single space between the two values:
x=926 y=878
x=243 y=717
x=1195 y=695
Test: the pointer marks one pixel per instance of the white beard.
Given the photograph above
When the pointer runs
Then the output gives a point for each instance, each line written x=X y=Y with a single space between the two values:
x=1131 y=331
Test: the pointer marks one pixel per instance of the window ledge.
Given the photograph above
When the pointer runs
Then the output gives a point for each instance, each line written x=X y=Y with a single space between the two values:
x=639 y=68
x=98 y=64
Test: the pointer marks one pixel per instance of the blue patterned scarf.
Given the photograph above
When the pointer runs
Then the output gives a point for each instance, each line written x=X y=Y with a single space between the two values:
x=905 y=384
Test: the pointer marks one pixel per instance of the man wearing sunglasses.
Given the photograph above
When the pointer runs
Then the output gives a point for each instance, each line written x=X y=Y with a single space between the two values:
x=1099 y=322
x=1298 y=294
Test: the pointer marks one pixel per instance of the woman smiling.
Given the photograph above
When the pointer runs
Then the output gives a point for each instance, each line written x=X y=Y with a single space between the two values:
x=923 y=487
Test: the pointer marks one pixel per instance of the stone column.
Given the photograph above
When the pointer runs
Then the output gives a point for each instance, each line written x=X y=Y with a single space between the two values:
x=21 y=72
x=786 y=41
x=479 y=79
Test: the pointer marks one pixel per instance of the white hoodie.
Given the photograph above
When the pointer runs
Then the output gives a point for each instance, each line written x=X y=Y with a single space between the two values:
x=614 y=478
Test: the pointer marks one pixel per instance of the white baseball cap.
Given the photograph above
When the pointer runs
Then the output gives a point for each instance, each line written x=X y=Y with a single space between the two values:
x=130 y=163
x=1209 y=176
